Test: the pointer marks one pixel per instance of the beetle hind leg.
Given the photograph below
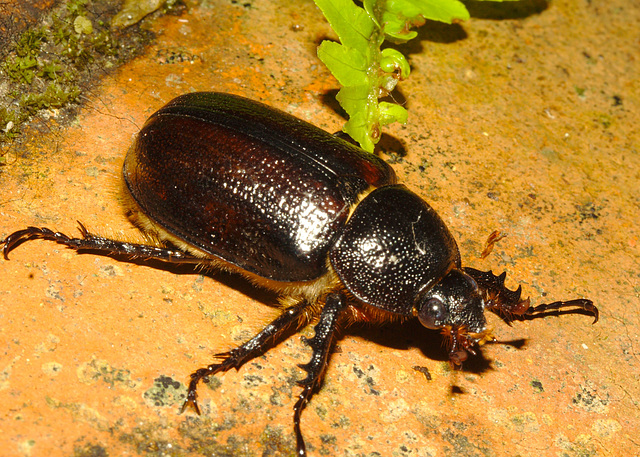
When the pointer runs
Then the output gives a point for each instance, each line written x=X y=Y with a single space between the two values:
x=97 y=244
x=235 y=358
x=321 y=344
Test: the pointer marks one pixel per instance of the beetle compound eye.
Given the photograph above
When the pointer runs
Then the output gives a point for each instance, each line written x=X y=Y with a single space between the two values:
x=433 y=313
x=460 y=304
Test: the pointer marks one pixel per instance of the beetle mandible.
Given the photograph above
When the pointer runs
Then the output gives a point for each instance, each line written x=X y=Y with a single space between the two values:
x=231 y=183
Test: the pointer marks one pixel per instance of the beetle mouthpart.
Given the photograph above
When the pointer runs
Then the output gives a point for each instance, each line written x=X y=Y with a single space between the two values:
x=461 y=343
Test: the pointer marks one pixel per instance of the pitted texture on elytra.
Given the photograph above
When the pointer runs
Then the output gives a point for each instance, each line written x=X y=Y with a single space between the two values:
x=267 y=194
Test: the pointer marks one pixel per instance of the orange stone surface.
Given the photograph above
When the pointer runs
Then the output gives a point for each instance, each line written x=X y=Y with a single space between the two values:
x=522 y=120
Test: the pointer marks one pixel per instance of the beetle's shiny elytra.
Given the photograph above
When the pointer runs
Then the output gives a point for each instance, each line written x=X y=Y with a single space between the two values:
x=267 y=194
x=232 y=183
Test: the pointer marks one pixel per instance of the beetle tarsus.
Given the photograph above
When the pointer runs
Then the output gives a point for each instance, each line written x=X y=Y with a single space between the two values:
x=321 y=344
x=303 y=399
x=190 y=402
x=560 y=307
x=33 y=233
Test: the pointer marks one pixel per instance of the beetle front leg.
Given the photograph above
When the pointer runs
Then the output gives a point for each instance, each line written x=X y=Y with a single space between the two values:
x=321 y=344
x=235 y=358
x=509 y=304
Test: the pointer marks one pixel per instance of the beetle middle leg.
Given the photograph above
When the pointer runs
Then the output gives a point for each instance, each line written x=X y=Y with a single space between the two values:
x=235 y=358
x=321 y=344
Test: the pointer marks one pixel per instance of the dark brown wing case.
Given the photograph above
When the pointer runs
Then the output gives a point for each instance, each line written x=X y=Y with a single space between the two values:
x=248 y=184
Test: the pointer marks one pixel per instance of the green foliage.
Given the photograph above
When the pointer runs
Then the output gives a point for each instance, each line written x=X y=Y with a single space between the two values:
x=77 y=7
x=364 y=70
x=47 y=65
x=54 y=96
x=40 y=79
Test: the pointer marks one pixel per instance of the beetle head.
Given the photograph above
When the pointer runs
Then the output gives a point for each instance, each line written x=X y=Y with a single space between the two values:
x=455 y=306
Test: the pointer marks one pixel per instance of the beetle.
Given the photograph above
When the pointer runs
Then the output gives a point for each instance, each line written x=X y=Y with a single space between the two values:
x=223 y=181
